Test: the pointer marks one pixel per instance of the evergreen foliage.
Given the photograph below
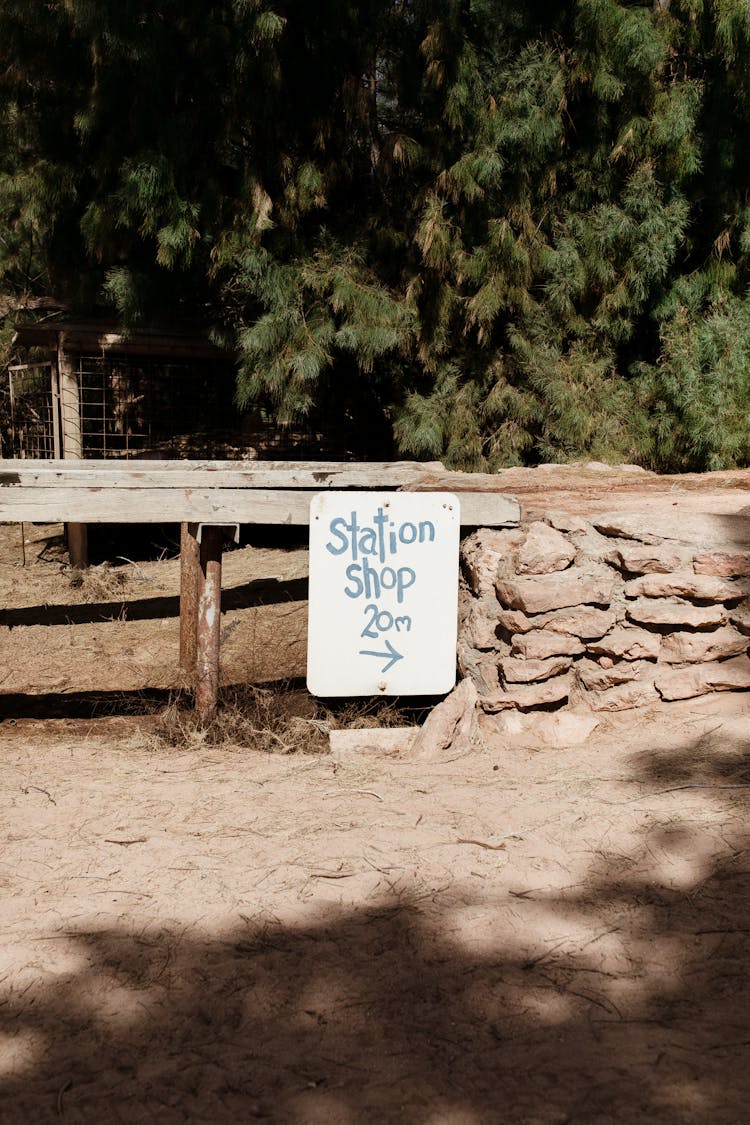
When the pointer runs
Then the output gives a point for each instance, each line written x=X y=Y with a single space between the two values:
x=487 y=233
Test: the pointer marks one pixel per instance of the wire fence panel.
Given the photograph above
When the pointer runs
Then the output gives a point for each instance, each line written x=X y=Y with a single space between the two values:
x=132 y=408
x=146 y=408
x=29 y=412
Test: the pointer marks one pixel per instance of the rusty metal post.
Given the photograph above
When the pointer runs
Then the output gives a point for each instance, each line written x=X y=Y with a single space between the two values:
x=189 y=571
x=209 y=623
x=78 y=544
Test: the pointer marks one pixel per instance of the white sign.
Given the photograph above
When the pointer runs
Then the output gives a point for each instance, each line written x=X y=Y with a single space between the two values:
x=383 y=593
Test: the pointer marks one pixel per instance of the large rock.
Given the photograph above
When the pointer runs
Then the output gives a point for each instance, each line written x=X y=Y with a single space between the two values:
x=583 y=622
x=565 y=521
x=671 y=613
x=637 y=558
x=627 y=643
x=452 y=725
x=540 y=645
x=482 y=554
x=479 y=667
x=686 y=648
x=624 y=525
x=622 y=698
x=385 y=742
x=557 y=728
x=555 y=591
x=683 y=584
x=724 y=564
x=517 y=671
x=480 y=624
x=544 y=551
x=525 y=696
x=740 y=618
x=595 y=678
x=684 y=683
x=514 y=621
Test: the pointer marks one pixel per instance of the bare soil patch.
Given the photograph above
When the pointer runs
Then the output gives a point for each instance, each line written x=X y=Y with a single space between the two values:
x=531 y=933
x=551 y=928
x=115 y=628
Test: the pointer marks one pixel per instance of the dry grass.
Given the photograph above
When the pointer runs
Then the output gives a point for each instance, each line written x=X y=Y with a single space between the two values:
x=98 y=583
x=277 y=719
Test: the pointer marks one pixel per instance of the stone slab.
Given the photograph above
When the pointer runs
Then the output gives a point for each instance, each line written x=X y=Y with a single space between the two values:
x=691 y=648
x=525 y=696
x=723 y=564
x=557 y=729
x=740 y=618
x=624 y=525
x=583 y=622
x=624 y=697
x=514 y=621
x=684 y=584
x=555 y=591
x=520 y=671
x=483 y=551
x=638 y=558
x=544 y=551
x=385 y=741
x=627 y=643
x=669 y=613
x=724 y=675
x=480 y=624
x=594 y=677
x=540 y=644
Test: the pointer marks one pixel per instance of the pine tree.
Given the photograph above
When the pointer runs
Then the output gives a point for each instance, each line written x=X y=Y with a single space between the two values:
x=488 y=233
x=513 y=214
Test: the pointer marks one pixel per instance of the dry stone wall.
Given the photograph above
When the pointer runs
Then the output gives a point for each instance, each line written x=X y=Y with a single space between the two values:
x=600 y=613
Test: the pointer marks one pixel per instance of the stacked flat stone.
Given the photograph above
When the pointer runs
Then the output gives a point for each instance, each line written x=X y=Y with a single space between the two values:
x=600 y=613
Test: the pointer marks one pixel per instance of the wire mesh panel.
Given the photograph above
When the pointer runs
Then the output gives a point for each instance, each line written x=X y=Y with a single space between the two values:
x=131 y=408
x=144 y=407
x=111 y=424
x=29 y=412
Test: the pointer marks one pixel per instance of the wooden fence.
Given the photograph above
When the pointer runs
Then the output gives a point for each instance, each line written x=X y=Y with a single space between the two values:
x=209 y=497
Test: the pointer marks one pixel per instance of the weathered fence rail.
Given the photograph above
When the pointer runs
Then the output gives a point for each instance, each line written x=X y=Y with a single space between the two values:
x=264 y=492
x=207 y=498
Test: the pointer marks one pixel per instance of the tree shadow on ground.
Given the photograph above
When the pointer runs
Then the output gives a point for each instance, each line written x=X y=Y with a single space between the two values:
x=260 y=592
x=392 y=1013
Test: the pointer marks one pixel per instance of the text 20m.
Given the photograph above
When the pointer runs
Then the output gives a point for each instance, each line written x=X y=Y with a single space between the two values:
x=381 y=621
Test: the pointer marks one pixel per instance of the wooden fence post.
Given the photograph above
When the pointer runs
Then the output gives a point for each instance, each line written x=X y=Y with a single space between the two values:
x=189 y=575
x=72 y=444
x=209 y=623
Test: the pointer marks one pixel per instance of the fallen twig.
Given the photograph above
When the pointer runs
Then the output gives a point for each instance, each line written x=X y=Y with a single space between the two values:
x=60 y=1094
x=343 y=792
x=692 y=785
x=120 y=891
x=332 y=874
x=481 y=844
x=27 y=788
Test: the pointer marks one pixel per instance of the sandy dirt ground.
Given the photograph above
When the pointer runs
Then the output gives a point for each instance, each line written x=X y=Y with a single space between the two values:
x=115 y=628
x=551 y=928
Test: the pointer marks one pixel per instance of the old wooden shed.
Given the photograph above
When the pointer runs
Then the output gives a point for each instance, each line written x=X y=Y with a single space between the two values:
x=92 y=390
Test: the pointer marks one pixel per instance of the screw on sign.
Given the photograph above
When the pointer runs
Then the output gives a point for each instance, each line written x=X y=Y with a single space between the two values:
x=383 y=593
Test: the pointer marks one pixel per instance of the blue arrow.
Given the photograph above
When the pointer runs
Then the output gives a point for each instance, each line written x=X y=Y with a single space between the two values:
x=391 y=656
